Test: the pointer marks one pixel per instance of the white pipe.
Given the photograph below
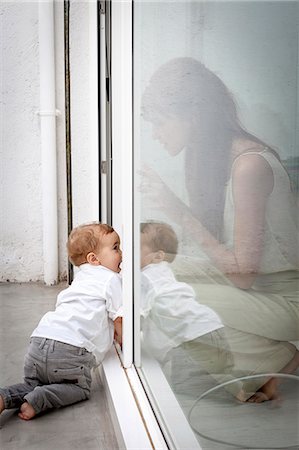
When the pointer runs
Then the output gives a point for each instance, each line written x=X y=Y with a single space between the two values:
x=48 y=141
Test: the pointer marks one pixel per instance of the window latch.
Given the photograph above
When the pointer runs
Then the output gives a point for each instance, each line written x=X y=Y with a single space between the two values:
x=104 y=167
x=103 y=7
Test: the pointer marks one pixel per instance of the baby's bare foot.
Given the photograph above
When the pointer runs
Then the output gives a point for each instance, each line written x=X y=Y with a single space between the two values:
x=2 y=407
x=241 y=396
x=26 y=411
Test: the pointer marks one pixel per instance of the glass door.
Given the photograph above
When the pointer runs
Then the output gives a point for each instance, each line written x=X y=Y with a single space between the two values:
x=216 y=220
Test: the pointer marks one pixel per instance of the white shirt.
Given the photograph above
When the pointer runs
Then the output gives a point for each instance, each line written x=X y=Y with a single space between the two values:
x=85 y=311
x=171 y=313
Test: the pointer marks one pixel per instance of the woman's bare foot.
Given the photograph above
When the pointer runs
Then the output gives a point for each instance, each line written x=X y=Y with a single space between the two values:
x=269 y=391
x=26 y=411
x=2 y=407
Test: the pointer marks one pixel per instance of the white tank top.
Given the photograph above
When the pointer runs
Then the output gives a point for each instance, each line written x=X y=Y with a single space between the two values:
x=280 y=251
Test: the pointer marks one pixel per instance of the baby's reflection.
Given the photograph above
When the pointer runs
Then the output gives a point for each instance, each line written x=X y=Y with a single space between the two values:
x=171 y=315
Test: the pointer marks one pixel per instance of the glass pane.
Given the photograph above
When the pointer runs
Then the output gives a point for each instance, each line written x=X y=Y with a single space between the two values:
x=217 y=164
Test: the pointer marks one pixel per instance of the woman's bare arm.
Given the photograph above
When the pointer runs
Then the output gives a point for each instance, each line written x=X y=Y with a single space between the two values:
x=252 y=180
x=252 y=183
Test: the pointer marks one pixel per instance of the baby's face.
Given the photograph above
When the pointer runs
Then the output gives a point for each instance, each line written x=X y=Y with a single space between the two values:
x=146 y=252
x=109 y=254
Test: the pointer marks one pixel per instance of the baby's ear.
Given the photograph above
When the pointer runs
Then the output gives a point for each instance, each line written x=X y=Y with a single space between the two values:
x=159 y=256
x=92 y=259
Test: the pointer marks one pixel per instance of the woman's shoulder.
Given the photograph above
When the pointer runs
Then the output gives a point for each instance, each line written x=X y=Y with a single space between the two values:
x=252 y=170
x=251 y=162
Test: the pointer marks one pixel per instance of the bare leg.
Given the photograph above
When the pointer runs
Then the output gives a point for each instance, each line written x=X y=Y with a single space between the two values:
x=26 y=411
x=269 y=391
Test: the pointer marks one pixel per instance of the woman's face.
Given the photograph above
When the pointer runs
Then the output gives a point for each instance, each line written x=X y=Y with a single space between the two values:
x=173 y=133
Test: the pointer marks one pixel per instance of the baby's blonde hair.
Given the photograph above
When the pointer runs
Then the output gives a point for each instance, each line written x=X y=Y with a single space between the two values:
x=85 y=239
x=161 y=237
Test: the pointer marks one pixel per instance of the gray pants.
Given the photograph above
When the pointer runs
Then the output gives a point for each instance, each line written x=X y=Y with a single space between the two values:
x=55 y=374
x=213 y=353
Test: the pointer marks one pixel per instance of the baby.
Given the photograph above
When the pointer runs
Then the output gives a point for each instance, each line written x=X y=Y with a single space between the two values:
x=69 y=341
x=171 y=315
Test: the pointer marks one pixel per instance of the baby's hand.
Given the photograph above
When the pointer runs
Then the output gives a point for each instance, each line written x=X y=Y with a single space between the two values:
x=118 y=330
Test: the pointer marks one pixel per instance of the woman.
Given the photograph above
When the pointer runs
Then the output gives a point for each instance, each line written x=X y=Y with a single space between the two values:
x=241 y=212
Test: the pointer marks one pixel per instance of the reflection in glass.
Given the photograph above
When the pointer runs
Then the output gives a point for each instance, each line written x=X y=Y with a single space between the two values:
x=172 y=317
x=221 y=303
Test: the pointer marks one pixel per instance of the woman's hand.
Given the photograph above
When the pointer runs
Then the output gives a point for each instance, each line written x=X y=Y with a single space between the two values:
x=161 y=196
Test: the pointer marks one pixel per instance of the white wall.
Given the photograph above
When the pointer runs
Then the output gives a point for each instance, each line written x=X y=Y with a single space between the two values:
x=251 y=46
x=21 y=231
x=21 y=257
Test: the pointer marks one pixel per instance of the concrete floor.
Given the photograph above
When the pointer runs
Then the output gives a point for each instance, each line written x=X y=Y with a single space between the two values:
x=218 y=423
x=86 y=425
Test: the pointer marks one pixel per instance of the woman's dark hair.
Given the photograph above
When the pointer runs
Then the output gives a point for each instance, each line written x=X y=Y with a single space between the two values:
x=186 y=89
